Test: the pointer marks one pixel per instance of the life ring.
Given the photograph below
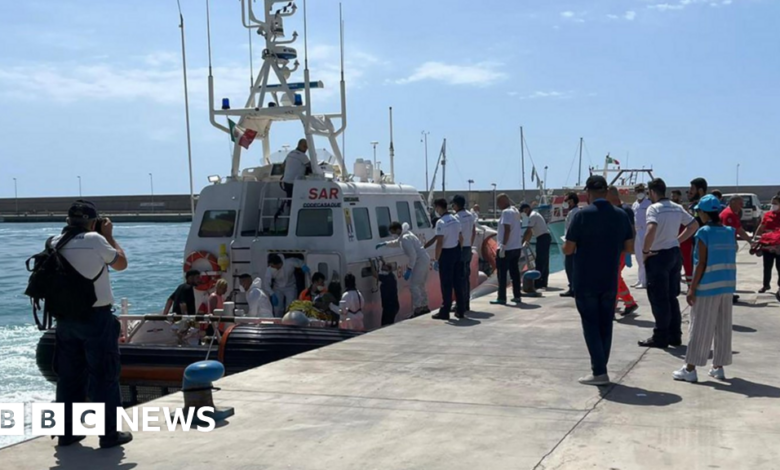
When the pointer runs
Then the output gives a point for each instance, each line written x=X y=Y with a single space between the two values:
x=208 y=281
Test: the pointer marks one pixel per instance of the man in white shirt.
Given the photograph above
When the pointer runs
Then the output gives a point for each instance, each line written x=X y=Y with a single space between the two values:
x=572 y=202
x=258 y=302
x=510 y=247
x=87 y=358
x=468 y=228
x=640 y=224
x=448 y=261
x=296 y=166
x=663 y=261
x=280 y=284
x=537 y=227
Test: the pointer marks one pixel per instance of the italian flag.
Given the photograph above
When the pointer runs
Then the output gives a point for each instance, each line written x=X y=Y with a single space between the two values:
x=245 y=136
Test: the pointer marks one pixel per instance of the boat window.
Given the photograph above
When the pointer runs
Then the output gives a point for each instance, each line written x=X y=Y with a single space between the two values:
x=315 y=223
x=402 y=207
x=362 y=223
x=217 y=224
x=383 y=220
x=421 y=215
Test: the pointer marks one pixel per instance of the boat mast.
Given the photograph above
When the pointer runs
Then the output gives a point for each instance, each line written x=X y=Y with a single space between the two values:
x=187 y=101
x=522 y=159
x=444 y=168
x=392 y=150
x=579 y=172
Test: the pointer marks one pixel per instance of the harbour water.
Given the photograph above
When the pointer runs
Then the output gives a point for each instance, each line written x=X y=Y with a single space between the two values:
x=155 y=258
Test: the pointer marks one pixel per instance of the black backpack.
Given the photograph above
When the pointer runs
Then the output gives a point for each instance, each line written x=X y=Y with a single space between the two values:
x=66 y=294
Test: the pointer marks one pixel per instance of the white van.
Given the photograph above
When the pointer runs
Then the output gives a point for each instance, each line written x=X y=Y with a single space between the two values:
x=751 y=213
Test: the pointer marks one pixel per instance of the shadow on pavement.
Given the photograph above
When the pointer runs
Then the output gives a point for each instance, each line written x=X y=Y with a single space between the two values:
x=482 y=315
x=73 y=458
x=464 y=322
x=634 y=321
x=626 y=395
x=743 y=329
x=745 y=387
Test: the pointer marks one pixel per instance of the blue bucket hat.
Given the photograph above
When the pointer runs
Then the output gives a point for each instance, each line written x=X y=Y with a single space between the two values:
x=708 y=203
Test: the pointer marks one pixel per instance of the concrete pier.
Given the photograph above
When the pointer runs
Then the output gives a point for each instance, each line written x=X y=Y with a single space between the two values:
x=496 y=391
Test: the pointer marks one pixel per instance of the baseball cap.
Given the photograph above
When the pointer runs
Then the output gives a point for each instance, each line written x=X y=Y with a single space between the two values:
x=708 y=203
x=596 y=183
x=81 y=209
x=524 y=206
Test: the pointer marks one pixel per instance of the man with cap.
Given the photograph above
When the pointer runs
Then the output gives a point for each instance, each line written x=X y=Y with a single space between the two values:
x=663 y=261
x=87 y=359
x=598 y=237
x=537 y=227
x=640 y=223
x=468 y=229
x=183 y=298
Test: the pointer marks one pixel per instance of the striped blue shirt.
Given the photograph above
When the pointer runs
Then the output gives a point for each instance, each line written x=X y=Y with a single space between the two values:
x=720 y=276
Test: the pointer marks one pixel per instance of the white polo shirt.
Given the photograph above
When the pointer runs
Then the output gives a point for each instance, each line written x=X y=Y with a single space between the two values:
x=294 y=166
x=570 y=217
x=511 y=217
x=467 y=222
x=537 y=224
x=669 y=217
x=89 y=253
x=449 y=228
x=640 y=214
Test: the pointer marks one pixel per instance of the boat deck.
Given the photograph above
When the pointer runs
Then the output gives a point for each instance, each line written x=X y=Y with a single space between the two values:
x=496 y=391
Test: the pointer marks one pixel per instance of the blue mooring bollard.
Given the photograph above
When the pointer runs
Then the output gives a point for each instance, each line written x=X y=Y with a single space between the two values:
x=197 y=386
x=529 y=277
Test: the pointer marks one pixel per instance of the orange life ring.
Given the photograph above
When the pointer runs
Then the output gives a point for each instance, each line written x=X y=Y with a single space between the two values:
x=208 y=281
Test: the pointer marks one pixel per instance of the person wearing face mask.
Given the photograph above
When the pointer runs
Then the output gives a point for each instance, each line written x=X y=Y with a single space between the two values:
x=280 y=285
x=572 y=203
x=448 y=260
x=416 y=268
x=258 y=303
x=510 y=248
x=662 y=260
x=697 y=191
x=316 y=288
x=537 y=227
x=768 y=234
x=640 y=224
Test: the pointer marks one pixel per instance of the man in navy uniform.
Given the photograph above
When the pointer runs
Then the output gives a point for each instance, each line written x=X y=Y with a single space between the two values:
x=449 y=259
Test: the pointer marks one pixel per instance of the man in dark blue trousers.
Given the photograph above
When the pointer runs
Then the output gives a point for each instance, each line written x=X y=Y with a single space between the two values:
x=599 y=235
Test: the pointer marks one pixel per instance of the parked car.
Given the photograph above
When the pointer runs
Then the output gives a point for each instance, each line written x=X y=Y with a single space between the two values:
x=752 y=213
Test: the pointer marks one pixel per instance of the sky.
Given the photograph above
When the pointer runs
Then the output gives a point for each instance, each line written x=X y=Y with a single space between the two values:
x=687 y=87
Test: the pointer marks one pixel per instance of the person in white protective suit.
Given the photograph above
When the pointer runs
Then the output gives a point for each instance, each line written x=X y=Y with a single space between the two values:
x=418 y=266
x=280 y=285
x=259 y=303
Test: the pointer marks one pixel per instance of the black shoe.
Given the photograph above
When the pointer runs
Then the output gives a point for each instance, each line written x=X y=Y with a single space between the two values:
x=629 y=310
x=735 y=299
x=64 y=441
x=424 y=310
x=440 y=316
x=460 y=316
x=675 y=342
x=120 y=438
x=652 y=343
x=764 y=289
x=777 y=295
x=568 y=293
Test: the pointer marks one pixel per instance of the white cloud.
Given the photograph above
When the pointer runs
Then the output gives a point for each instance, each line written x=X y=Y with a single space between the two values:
x=552 y=94
x=157 y=77
x=573 y=17
x=482 y=73
x=630 y=15
x=682 y=4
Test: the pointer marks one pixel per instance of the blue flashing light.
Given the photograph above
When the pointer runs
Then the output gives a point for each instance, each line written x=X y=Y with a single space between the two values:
x=225 y=103
x=298 y=100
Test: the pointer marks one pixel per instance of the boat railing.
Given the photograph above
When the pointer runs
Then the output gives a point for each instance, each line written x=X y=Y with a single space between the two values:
x=280 y=202
x=128 y=331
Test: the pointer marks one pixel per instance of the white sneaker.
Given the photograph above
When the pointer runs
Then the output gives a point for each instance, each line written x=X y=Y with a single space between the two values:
x=718 y=374
x=591 y=379
x=684 y=374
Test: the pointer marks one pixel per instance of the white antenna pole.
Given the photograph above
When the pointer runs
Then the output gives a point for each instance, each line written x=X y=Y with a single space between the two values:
x=187 y=102
x=392 y=150
x=343 y=93
x=307 y=88
x=251 y=69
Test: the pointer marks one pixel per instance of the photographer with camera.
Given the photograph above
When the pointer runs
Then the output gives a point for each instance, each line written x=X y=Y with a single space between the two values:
x=87 y=348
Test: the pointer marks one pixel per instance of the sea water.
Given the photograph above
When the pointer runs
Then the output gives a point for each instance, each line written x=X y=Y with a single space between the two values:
x=155 y=255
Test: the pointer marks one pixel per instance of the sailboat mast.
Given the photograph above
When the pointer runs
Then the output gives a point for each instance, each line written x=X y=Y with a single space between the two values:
x=522 y=159
x=444 y=168
x=579 y=172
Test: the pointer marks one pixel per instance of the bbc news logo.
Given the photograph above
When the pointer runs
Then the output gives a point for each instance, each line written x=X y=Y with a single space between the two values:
x=89 y=419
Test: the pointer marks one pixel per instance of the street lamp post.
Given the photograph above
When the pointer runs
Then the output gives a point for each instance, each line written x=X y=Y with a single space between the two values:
x=470 y=183
x=79 y=177
x=737 y=177
x=151 y=184
x=425 y=139
x=16 y=197
x=495 y=201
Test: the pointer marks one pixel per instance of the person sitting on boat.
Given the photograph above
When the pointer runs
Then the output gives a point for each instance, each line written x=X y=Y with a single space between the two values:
x=316 y=289
x=258 y=303
x=417 y=267
x=537 y=227
x=475 y=211
x=351 y=305
x=280 y=285
x=217 y=298
x=183 y=298
x=388 y=289
x=296 y=166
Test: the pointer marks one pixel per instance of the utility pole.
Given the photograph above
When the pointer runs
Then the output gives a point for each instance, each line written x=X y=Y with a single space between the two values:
x=495 y=202
x=522 y=158
x=16 y=197
x=579 y=172
x=425 y=139
x=151 y=183
x=79 y=177
x=469 y=195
